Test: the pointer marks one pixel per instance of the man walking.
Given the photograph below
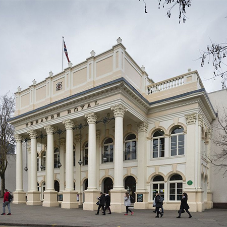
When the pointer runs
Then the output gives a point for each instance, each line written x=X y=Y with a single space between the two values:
x=101 y=203
x=6 y=202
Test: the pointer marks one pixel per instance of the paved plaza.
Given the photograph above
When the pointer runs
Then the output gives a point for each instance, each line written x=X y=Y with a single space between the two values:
x=23 y=215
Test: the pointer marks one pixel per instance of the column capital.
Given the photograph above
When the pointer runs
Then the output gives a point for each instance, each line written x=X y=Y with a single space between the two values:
x=142 y=127
x=32 y=134
x=77 y=138
x=49 y=129
x=17 y=137
x=91 y=118
x=191 y=118
x=69 y=124
x=119 y=110
x=62 y=141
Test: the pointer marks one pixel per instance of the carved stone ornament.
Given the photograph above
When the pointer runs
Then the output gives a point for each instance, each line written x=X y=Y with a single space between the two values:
x=49 y=129
x=18 y=137
x=91 y=118
x=119 y=110
x=62 y=141
x=77 y=138
x=142 y=127
x=98 y=134
x=68 y=124
x=32 y=134
x=191 y=118
x=200 y=119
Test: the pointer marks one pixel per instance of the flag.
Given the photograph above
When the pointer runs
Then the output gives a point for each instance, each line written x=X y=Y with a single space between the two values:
x=66 y=52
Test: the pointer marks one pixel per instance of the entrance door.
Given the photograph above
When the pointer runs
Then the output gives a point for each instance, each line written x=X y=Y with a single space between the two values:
x=108 y=184
x=130 y=186
x=85 y=186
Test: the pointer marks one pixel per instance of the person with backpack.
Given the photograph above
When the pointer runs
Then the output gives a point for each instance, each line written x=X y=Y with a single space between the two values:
x=184 y=205
x=6 y=201
x=127 y=202
x=158 y=202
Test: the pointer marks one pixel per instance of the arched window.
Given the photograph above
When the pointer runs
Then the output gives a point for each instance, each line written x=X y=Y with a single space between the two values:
x=130 y=147
x=74 y=155
x=175 y=187
x=107 y=155
x=86 y=154
x=158 y=144
x=177 y=141
x=37 y=162
x=43 y=161
x=56 y=158
x=158 y=185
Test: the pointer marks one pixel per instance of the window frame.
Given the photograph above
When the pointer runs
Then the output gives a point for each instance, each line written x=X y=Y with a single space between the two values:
x=131 y=151
x=177 y=141
x=158 y=183
x=152 y=144
x=176 y=188
x=109 y=153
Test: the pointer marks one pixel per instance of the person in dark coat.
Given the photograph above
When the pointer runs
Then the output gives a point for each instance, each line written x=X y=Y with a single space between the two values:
x=158 y=202
x=184 y=205
x=107 y=198
x=101 y=203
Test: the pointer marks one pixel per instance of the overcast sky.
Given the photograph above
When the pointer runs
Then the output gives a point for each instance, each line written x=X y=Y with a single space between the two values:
x=31 y=36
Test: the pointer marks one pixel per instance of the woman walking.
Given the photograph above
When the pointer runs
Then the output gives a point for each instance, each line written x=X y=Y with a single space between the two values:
x=158 y=202
x=184 y=205
x=127 y=204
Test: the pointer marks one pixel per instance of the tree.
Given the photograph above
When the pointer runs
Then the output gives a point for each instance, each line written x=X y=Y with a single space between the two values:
x=6 y=135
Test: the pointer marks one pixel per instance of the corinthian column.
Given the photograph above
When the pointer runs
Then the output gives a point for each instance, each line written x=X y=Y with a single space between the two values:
x=19 y=194
x=50 y=195
x=91 y=193
x=33 y=195
x=118 y=190
x=141 y=192
x=69 y=195
x=62 y=169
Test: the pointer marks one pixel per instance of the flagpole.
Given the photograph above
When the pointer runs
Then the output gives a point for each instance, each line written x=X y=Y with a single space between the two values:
x=62 y=51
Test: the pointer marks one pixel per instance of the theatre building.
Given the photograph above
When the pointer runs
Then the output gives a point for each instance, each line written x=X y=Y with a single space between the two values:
x=104 y=125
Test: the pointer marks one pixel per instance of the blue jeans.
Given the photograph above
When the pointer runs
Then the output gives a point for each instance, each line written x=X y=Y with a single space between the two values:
x=6 y=203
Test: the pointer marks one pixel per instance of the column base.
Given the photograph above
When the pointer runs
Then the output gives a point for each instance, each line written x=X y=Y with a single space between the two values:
x=91 y=199
x=33 y=198
x=141 y=200
x=117 y=200
x=50 y=199
x=69 y=200
x=19 y=197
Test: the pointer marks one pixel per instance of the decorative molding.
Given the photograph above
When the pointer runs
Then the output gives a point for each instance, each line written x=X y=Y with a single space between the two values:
x=49 y=129
x=173 y=125
x=191 y=118
x=119 y=110
x=200 y=120
x=142 y=127
x=32 y=134
x=152 y=131
x=78 y=138
x=18 y=137
x=91 y=118
x=154 y=175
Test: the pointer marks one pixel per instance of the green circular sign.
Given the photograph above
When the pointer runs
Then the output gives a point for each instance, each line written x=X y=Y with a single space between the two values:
x=189 y=182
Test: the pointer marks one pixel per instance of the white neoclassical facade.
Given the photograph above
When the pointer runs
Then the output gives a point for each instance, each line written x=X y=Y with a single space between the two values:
x=104 y=125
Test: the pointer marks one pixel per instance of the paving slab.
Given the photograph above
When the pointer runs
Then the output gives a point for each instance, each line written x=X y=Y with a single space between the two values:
x=24 y=215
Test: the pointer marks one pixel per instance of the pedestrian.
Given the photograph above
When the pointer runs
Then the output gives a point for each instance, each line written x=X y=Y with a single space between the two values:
x=158 y=202
x=127 y=203
x=184 y=205
x=107 y=198
x=6 y=202
x=101 y=200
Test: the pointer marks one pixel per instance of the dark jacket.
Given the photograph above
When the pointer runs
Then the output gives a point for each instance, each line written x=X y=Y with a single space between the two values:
x=102 y=200
x=184 y=204
x=107 y=197
x=157 y=201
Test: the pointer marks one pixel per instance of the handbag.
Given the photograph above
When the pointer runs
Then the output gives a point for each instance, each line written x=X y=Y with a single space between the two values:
x=98 y=203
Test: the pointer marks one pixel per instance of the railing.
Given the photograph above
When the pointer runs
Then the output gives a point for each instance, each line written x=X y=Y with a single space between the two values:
x=166 y=84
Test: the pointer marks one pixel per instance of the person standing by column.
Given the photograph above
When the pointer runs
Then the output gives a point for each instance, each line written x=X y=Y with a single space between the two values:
x=127 y=203
x=6 y=202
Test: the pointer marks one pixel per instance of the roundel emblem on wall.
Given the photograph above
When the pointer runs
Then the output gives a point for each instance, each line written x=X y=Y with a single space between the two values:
x=189 y=182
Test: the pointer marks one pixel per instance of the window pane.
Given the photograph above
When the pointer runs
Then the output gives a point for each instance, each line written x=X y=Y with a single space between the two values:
x=179 y=197
x=155 y=148
x=158 y=178
x=133 y=149
x=158 y=133
x=171 y=197
x=111 y=153
x=179 y=129
x=176 y=177
x=173 y=145
x=180 y=144
x=130 y=137
x=161 y=147
x=108 y=140
x=172 y=185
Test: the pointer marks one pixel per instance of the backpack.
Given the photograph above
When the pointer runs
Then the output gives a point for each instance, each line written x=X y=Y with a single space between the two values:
x=10 y=197
x=160 y=200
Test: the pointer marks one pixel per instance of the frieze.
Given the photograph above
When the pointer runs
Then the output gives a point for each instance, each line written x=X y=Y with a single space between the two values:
x=142 y=127
x=191 y=118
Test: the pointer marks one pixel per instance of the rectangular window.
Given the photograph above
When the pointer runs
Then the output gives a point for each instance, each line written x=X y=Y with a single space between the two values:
x=172 y=191
x=155 y=148
x=173 y=145
x=162 y=147
x=180 y=144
